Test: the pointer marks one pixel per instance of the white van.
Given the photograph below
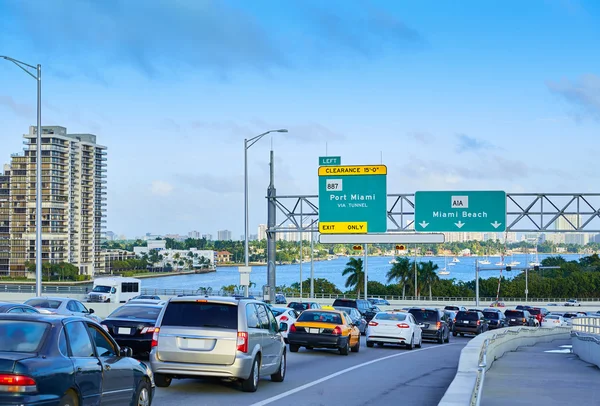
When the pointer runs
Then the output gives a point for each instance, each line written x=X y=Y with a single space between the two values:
x=114 y=290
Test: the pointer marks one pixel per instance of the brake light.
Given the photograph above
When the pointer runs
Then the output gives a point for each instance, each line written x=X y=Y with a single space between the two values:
x=337 y=331
x=453 y=320
x=403 y=325
x=293 y=328
x=438 y=325
x=478 y=322
x=154 y=342
x=284 y=318
x=242 y=341
x=17 y=383
x=373 y=323
x=148 y=330
x=524 y=320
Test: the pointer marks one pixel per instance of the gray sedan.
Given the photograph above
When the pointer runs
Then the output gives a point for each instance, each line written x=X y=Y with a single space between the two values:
x=62 y=305
x=6 y=307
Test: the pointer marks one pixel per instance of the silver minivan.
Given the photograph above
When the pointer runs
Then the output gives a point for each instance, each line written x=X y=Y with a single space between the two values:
x=223 y=337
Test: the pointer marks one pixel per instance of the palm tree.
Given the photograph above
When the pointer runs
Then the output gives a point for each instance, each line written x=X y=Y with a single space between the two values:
x=356 y=275
x=401 y=272
x=427 y=275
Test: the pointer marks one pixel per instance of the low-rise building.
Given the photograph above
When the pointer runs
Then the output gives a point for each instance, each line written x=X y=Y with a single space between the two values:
x=223 y=257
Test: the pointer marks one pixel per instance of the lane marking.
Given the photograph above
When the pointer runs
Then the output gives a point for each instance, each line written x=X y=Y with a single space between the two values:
x=342 y=372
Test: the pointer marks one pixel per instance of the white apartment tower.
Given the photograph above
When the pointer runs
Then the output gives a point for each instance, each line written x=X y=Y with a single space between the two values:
x=73 y=202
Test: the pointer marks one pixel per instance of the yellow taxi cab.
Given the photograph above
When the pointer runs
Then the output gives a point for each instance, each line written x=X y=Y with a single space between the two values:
x=324 y=328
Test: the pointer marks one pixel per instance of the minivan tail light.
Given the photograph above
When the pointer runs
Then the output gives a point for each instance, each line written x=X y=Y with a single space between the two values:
x=337 y=331
x=155 y=337
x=478 y=322
x=438 y=325
x=403 y=325
x=148 y=330
x=242 y=341
x=524 y=320
x=17 y=383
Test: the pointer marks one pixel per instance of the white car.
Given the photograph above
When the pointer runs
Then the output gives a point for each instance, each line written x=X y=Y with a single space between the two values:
x=553 y=320
x=572 y=302
x=285 y=315
x=394 y=328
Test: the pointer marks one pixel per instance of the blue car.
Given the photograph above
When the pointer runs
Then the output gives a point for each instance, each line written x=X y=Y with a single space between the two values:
x=67 y=361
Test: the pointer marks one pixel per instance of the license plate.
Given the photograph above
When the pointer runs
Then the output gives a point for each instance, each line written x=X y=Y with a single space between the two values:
x=513 y=319
x=314 y=330
x=199 y=344
x=466 y=321
x=124 y=330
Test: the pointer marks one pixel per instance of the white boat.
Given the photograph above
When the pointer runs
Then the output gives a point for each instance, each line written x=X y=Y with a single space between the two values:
x=499 y=263
x=484 y=262
x=451 y=264
x=444 y=272
x=535 y=264
x=455 y=260
x=513 y=263
x=393 y=261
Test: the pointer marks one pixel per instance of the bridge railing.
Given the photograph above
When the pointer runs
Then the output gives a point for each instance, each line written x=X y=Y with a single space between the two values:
x=587 y=325
x=585 y=339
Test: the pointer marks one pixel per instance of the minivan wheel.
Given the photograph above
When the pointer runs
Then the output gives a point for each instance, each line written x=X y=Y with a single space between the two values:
x=162 y=380
x=447 y=340
x=454 y=334
x=279 y=376
x=251 y=384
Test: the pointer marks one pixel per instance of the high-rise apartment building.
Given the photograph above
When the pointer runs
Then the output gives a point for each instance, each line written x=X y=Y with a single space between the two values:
x=224 y=235
x=262 y=232
x=73 y=202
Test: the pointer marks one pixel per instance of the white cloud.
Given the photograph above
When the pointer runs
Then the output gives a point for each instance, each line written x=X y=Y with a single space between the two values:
x=161 y=188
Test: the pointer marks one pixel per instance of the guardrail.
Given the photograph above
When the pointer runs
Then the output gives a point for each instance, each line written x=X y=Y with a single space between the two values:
x=481 y=352
x=585 y=339
x=11 y=288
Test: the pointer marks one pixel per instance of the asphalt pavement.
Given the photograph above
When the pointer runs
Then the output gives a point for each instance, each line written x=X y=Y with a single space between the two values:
x=544 y=374
x=374 y=376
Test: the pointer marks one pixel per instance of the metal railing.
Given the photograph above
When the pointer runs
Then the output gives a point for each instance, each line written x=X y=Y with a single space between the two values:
x=586 y=325
x=482 y=367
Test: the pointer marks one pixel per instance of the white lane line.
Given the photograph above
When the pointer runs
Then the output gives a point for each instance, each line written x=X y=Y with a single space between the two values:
x=336 y=374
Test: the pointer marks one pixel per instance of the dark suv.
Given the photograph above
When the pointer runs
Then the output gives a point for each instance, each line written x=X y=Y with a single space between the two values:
x=495 y=318
x=363 y=306
x=520 y=318
x=302 y=306
x=469 y=322
x=434 y=324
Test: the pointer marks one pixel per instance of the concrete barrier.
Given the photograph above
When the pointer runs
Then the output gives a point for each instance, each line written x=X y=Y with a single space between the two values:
x=585 y=339
x=481 y=352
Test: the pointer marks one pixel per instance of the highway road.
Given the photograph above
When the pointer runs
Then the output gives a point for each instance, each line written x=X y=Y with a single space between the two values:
x=373 y=376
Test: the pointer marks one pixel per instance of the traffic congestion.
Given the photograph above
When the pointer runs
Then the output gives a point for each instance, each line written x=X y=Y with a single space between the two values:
x=58 y=351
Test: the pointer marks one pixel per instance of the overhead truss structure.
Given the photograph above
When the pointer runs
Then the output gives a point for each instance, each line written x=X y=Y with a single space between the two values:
x=526 y=213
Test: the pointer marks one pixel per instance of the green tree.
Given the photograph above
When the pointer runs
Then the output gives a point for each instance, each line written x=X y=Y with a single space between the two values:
x=427 y=275
x=355 y=273
x=401 y=273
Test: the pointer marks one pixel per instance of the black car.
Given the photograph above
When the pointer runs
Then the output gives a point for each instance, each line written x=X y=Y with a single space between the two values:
x=495 y=318
x=433 y=322
x=132 y=325
x=378 y=301
x=455 y=308
x=302 y=306
x=6 y=307
x=519 y=318
x=469 y=322
x=363 y=306
x=58 y=360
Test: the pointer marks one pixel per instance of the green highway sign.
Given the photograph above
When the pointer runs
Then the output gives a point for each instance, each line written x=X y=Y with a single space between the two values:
x=353 y=199
x=474 y=211
x=330 y=160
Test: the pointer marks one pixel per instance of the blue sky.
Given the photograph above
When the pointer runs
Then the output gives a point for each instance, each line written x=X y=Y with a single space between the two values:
x=454 y=95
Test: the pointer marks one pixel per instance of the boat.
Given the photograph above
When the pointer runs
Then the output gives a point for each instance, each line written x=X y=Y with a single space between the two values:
x=393 y=261
x=451 y=264
x=499 y=263
x=455 y=260
x=484 y=262
x=444 y=272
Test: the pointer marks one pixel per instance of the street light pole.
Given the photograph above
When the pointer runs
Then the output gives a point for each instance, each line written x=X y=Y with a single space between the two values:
x=38 y=167
x=247 y=144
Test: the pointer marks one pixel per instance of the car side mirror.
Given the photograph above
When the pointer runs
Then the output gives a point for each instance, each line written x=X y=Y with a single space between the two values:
x=126 y=352
x=283 y=326
x=91 y=311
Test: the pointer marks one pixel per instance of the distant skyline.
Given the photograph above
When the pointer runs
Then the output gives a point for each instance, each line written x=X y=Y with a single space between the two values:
x=474 y=95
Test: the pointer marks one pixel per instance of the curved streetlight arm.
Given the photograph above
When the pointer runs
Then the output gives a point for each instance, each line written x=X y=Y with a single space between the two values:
x=22 y=65
x=250 y=142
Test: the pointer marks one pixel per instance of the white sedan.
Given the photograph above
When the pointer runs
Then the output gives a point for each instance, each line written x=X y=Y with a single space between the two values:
x=285 y=315
x=394 y=328
x=553 y=320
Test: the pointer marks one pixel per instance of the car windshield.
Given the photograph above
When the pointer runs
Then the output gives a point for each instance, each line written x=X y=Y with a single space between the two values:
x=491 y=315
x=321 y=317
x=298 y=306
x=277 y=311
x=136 y=312
x=513 y=313
x=202 y=314
x=101 y=289
x=390 y=316
x=44 y=303
x=21 y=336
x=425 y=315
x=467 y=316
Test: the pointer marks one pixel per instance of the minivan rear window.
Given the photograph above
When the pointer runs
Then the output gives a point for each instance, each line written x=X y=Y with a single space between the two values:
x=467 y=316
x=491 y=315
x=514 y=313
x=201 y=314
x=424 y=315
